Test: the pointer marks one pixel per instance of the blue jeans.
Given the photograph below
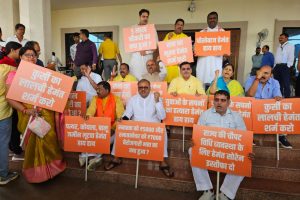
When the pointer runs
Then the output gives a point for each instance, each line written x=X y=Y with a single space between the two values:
x=5 y=132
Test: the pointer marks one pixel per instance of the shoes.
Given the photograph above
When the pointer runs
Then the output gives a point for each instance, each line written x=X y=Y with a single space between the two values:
x=10 y=177
x=81 y=161
x=18 y=157
x=222 y=196
x=284 y=142
x=207 y=195
x=94 y=163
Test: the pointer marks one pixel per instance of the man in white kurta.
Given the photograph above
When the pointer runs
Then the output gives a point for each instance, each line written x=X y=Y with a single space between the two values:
x=138 y=59
x=207 y=65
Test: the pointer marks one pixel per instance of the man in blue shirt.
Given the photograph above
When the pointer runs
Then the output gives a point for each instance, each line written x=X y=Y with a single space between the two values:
x=268 y=57
x=263 y=86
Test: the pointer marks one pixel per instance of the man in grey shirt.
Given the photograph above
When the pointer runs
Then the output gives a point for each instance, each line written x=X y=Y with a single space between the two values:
x=256 y=61
x=219 y=116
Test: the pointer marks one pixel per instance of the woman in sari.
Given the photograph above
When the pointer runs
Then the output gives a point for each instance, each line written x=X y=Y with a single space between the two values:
x=226 y=82
x=43 y=157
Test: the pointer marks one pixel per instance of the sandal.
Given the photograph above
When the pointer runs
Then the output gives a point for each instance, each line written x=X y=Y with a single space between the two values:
x=166 y=171
x=112 y=164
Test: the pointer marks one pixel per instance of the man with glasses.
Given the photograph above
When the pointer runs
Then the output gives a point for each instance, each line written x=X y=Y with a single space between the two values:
x=219 y=116
x=186 y=83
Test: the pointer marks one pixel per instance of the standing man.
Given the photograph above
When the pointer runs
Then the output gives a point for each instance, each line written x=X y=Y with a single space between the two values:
x=207 y=65
x=268 y=57
x=173 y=70
x=256 y=61
x=219 y=116
x=138 y=59
x=76 y=39
x=284 y=59
x=86 y=53
x=19 y=36
x=109 y=51
x=263 y=86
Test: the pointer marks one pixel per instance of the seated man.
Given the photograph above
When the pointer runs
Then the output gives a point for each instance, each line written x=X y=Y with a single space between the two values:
x=124 y=75
x=155 y=74
x=263 y=86
x=219 y=116
x=104 y=105
x=186 y=83
x=146 y=107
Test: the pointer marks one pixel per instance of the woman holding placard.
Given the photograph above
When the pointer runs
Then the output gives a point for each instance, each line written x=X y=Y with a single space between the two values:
x=226 y=82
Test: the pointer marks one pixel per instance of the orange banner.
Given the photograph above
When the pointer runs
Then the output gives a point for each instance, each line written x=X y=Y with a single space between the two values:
x=139 y=38
x=184 y=110
x=212 y=43
x=242 y=105
x=173 y=52
x=91 y=136
x=124 y=90
x=77 y=103
x=40 y=87
x=222 y=149
x=276 y=117
x=140 y=140
x=160 y=87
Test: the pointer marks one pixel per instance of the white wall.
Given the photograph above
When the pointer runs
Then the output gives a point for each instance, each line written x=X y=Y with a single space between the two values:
x=259 y=14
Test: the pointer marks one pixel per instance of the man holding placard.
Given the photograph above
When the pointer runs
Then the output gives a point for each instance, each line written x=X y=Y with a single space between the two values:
x=207 y=65
x=146 y=107
x=219 y=116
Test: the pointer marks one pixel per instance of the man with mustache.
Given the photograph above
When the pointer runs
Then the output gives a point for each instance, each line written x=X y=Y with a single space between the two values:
x=263 y=86
x=155 y=73
x=124 y=75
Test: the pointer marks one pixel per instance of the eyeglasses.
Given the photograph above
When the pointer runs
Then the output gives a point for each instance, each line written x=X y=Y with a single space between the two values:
x=143 y=88
x=28 y=55
x=218 y=100
x=185 y=69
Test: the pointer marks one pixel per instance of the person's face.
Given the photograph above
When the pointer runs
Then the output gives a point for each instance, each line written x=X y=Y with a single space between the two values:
x=267 y=72
x=83 y=69
x=257 y=51
x=264 y=50
x=282 y=39
x=151 y=67
x=221 y=103
x=144 y=89
x=227 y=72
x=37 y=49
x=124 y=71
x=76 y=39
x=179 y=27
x=15 y=54
x=29 y=56
x=102 y=92
x=144 y=18
x=186 y=71
x=82 y=36
x=212 y=21
x=20 y=31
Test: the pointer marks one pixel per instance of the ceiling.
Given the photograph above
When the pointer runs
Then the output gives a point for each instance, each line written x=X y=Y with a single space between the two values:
x=69 y=4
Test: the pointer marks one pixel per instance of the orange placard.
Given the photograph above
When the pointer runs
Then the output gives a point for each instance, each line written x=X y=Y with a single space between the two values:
x=173 y=52
x=124 y=90
x=160 y=87
x=139 y=38
x=40 y=87
x=276 y=117
x=222 y=149
x=184 y=110
x=77 y=103
x=91 y=136
x=212 y=43
x=242 y=105
x=140 y=140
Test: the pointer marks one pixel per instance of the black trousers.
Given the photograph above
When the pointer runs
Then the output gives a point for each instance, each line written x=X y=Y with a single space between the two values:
x=297 y=92
x=14 y=143
x=281 y=73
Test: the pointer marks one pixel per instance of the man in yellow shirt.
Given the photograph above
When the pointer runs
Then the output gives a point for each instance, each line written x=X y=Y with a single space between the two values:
x=186 y=83
x=105 y=104
x=124 y=75
x=173 y=70
x=109 y=51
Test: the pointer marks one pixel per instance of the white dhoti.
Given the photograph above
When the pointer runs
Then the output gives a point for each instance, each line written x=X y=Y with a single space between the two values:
x=206 y=67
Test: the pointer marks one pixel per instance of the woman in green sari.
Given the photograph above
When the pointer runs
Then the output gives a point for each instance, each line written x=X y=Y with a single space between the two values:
x=226 y=82
x=43 y=157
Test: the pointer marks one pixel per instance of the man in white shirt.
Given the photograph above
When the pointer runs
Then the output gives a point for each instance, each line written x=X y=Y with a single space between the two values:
x=19 y=36
x=146 y=107
x=155 y=74
x=138 y=59
x=284 y=59
x=207 y=65
x=76 y=39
